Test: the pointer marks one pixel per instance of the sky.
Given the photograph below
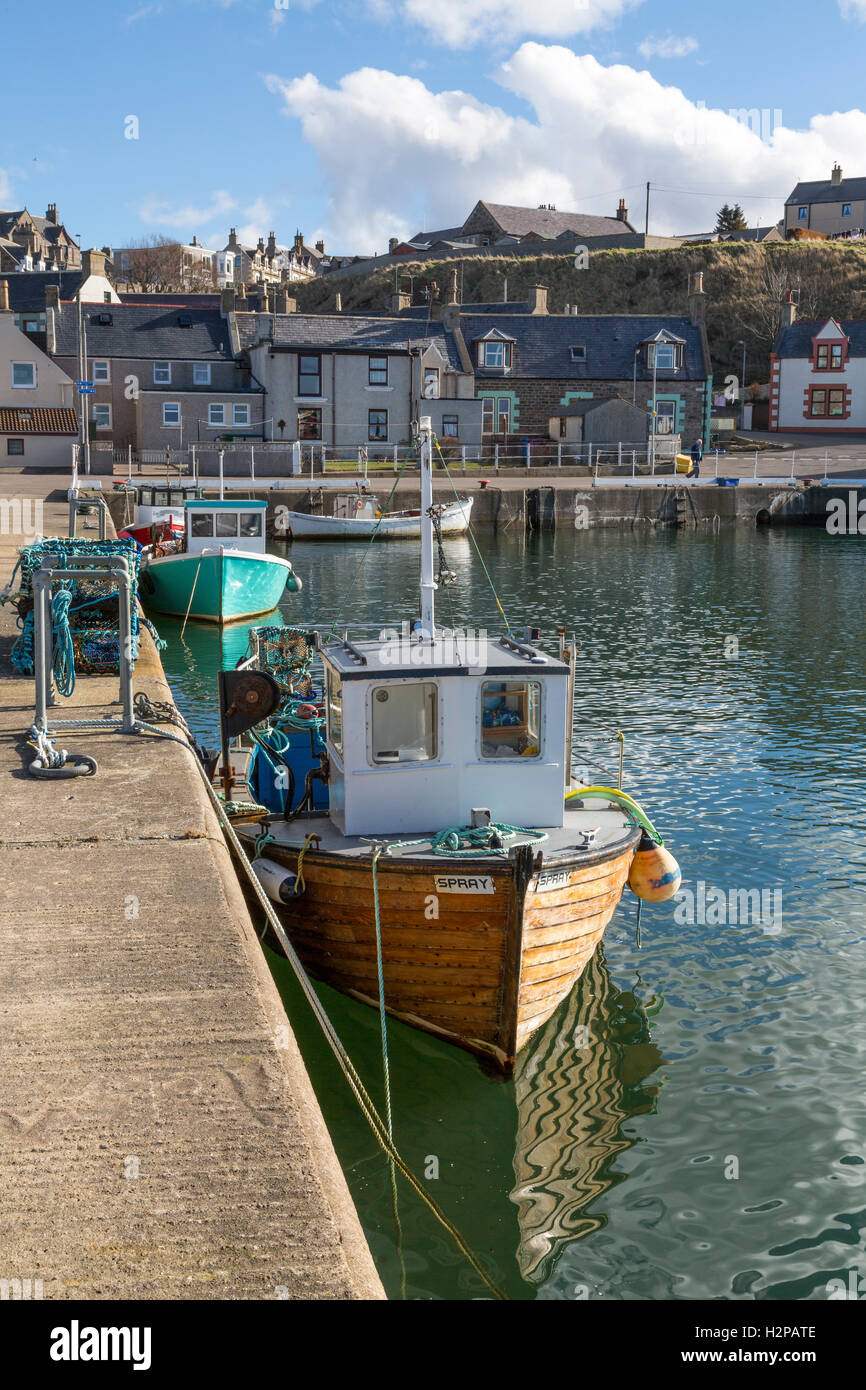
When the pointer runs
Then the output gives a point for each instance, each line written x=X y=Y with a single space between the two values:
x=357 y=121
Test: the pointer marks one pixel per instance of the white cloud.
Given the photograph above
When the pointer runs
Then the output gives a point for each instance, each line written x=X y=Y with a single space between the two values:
x=398 y=156
x=160 y=213
x=853 y=9
x=5 y=189
x=462 y=22
x=669 y=47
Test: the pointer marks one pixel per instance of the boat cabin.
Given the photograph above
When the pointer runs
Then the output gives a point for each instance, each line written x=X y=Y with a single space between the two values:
x=421 y=733
x=350 y=506
x=238 y=524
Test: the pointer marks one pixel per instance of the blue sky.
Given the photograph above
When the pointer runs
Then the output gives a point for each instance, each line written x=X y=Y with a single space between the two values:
x=354 y=121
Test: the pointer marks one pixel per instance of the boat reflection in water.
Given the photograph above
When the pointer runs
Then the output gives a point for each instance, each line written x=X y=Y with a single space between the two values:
x=576 y=1084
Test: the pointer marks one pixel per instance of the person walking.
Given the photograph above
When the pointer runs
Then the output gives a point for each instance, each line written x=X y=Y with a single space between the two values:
x=697 y=455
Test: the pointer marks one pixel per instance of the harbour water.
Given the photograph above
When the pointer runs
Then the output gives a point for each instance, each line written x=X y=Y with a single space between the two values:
x=690 y=1123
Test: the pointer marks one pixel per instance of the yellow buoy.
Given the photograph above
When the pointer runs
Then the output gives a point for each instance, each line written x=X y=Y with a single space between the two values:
x=655 y=874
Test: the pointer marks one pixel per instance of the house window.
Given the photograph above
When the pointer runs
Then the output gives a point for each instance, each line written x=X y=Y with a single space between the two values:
x=15 y=447
x=309 y=423
x=665 y=416
x=377 y=424
x=102 y=416
x=378 y=371
x=24 y=374
x=241 y=415
x=216 y=414
x=450 y=427
x=309 y=376
x=511 y=719
x=578 y=352
x=162 y=373
x=846 y=209
x=403 y=722
x=101 y=372
x=201 y=373
x=827 y=403
x=803 y=214
x=431 y=383
x=335 y=711
x=495 y=415
x=665 y=355
x=494 y=354
x=170 y=413
x=106 y=296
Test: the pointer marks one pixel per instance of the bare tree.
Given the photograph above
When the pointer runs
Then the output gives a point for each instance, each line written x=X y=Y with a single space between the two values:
x=156 y=264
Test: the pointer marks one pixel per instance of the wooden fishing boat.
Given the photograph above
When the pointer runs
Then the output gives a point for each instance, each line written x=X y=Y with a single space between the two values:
x=358 y=517
x=429 y=814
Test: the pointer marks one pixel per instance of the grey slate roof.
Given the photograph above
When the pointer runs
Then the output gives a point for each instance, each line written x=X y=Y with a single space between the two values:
x=27 y=288
x=144 y=330
x=796 y=341
x=543 y=345
x=825 y=191
x=343 y=333
x=552 y=223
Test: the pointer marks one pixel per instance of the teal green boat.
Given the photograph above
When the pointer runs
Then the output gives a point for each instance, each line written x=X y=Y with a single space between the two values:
x=220 y=572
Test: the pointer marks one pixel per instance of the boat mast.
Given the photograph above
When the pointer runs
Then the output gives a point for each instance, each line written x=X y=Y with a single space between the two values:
x=428 y=583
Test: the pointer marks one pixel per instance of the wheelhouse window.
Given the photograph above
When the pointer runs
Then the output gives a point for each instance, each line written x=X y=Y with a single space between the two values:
x=378 y=371
x=827 y=403
x=495 y=354
x=335 y=711
x=226 y=524
x=309 y=423
x=377 y=425
x=201 y=524
x=511 y=719
x=250 y=524
x=309 y=375
x=404 y=722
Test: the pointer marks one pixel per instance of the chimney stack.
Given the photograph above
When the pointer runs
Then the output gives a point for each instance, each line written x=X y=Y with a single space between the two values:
x=538 y=299
x=284 y=304
x=622 y=211
x=393 y=243
x=320 y=247
x=51 y=213
x=52 y=297
x=452 y=286
x=4 y=296
x=227 y=301
x=697 y=298
x=272 y=244
x=93 y=263
x=399 y=301
x=836 y=176
x=789 y=310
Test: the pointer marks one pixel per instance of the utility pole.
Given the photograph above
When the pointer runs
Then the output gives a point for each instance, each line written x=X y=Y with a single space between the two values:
x=646 y=230
x=83 y=430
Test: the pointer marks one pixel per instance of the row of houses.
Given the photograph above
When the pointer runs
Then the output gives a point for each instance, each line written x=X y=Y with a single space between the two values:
x=173 y=373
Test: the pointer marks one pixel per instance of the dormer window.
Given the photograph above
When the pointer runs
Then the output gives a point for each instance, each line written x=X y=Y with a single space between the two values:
x=829 y=353
x=495 y=353
x=578 y=353
x=664 y=356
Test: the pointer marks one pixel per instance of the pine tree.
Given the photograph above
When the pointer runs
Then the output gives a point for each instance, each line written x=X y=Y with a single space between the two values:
x=730 y=219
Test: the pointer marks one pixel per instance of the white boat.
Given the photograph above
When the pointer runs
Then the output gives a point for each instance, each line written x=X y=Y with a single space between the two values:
x=357 y=516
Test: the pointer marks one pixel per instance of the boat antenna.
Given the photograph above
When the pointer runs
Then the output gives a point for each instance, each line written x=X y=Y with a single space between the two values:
x=428 y=582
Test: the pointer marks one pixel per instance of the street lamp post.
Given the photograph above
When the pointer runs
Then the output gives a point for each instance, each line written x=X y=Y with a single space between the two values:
x=741 y=343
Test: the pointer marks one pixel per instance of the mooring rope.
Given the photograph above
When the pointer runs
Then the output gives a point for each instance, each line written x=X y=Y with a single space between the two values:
x=368 y=1108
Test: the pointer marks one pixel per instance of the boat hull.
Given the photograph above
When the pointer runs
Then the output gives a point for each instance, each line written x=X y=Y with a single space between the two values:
x=454 y=521
x=481 y=968
x=216 y=586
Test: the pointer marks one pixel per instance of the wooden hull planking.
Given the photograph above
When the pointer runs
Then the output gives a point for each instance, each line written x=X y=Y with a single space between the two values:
x=483 y=970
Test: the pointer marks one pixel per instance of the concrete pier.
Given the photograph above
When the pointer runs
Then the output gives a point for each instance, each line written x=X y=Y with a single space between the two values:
x=159 y=1136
